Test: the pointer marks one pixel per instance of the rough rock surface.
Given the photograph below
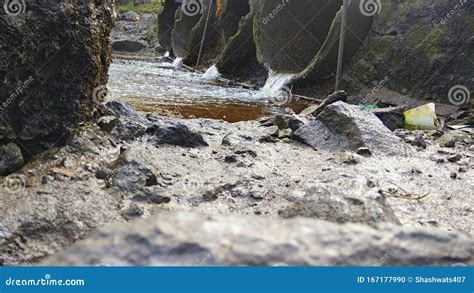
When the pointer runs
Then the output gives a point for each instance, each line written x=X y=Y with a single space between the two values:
x=361 y=202
x=136 y=33
x=53 y=57
x=36 y=222
x=247 y=170
x=420 y=48
x=347 y=127
x=192 y=239
x=11 y=158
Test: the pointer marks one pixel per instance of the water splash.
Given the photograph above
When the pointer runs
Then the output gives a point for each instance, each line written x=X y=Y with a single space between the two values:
x=212 y=73
x=275 y=85
x=178 y=63
x=167 y=54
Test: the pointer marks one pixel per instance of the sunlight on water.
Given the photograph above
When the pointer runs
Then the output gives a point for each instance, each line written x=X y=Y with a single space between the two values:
x=276 y=83
x=212 y=73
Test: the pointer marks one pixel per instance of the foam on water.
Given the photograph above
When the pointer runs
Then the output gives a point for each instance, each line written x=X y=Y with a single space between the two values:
x=275 y=84
x=178 y=63
x=212 y=73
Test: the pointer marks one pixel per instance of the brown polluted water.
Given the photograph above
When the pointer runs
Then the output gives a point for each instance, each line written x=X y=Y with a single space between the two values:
x=230 y=111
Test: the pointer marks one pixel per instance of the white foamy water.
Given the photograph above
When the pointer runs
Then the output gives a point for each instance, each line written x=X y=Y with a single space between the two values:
x=275 y=84
x=167 y=54
x=212 y=73
x=161 y=81
x=178 y=63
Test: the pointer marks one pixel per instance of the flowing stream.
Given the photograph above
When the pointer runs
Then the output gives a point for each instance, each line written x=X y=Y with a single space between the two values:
x=165 y=89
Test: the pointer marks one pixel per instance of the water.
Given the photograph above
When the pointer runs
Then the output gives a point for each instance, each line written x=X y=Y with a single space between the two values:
x=160 y=88
x=178 y=63
x=212 y=73
x=276 y=84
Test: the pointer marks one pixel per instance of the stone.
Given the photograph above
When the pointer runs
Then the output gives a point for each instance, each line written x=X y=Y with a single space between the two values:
x=364 y=152
x=131 y=177
x=11 y=159
x=355 y=128
x=45 y=91
x=37 y=222
x=130 y=46
x=184 y=239
x=342 y=201
x=318 y=136
x=450 y=139
x=179 y=135
x=150 y=195
x=129 y=16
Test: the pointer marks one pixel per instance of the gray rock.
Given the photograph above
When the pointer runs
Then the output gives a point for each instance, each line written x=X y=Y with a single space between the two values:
x=131 y=176
x=342 y=201
x=188 y=238
x=318 y=136
x=179 y=135
x=129 y=16
x=11 y=159
x=37 y=222
x=347 y=127
x=450 y=139
x=127 y=46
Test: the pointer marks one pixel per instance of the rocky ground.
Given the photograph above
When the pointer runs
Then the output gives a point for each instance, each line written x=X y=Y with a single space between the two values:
x=288 y=189
x=135 y=33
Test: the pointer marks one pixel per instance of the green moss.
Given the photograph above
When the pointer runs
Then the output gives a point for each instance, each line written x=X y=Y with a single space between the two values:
x=152 y=7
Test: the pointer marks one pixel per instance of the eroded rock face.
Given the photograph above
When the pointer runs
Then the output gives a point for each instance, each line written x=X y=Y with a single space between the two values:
x=53 y=56
x=37 y=222
x=420 y=48
x=192 y=239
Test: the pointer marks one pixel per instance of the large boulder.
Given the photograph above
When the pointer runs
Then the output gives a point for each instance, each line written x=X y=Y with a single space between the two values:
x=55 y=56
x=192 y=239
x=347 y=127
x=37 y=222
x=421 y=48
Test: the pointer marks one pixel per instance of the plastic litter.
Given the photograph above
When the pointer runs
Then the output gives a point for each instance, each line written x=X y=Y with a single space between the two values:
x=422 y=118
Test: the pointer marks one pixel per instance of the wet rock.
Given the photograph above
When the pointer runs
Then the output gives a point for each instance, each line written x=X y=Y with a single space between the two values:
x=11 y=159
x=264 y=242
x=130 y=46
x=129 y=16
x=357 y=128
x=450 y=139
x=50 y=79
x=342 y=201
x=37 y=222
x=179 y=135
